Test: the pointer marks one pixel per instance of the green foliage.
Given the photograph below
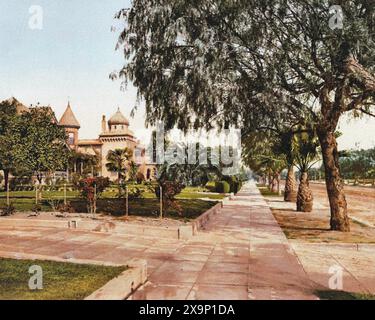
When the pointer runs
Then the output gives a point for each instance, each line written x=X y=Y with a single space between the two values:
x=8 y=210
x=170 y=189
x=42 y=145
x=91 y=189
x=134 y=192
x=9 y=135
x=140 y=178
x=133 y=171
x=83 y=164
x=211 y=186
x=358 y=164
x=189 y=171
x=222 y=187
x=305 y=148
x=117 y=162
x=261 y=153
x=36 y=208
x=252 y=51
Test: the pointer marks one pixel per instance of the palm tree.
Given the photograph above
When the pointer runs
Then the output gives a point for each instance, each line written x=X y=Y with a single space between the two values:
x=191 y=172
x=261 y=154
x=133 y=171
x=286 y=147
x=117 y=161
x=305 y=148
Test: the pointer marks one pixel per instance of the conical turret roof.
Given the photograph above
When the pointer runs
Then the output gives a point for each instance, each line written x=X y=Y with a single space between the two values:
x=68 y=119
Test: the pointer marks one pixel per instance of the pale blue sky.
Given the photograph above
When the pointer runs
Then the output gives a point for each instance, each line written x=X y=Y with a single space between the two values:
x=72 y=57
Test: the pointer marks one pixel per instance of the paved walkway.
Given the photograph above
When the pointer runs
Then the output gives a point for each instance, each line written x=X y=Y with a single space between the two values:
x=242 y=254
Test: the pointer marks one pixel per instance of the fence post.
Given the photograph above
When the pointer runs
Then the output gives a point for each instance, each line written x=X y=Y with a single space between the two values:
x=94 y=198
x=8 y=194
x=36 y=194
x=64 y=193
x=161 y=202
x=127 y=200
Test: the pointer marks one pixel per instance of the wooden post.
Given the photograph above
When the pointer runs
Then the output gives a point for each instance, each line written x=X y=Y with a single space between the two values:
x=95 y=198
x=36 y=194
x=161 y=202
x=64 y=193
x=8 y=194
x=127 y=200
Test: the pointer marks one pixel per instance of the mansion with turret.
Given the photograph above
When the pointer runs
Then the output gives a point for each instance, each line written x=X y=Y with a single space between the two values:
x=115 y=134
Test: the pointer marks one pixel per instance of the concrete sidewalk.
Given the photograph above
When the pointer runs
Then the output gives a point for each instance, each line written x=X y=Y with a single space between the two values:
x=242 y=254
x=275 y=271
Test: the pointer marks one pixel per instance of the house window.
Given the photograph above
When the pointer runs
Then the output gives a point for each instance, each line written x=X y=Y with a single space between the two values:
x=71 y=138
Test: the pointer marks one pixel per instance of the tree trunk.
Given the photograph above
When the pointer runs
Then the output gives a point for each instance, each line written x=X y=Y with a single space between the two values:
x=39 y=177
x=274 y=184
x=304 y=196
x=334 y=183
x=6 y=179
x=270 y=182
x=290 y=194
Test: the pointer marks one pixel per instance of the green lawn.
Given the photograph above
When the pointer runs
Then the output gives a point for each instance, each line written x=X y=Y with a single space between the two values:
x=147 y=207
x=189 y=199
x=187 y=193
x=150 y=208
x=61 y=281
x=267 y=193
x=342 y=295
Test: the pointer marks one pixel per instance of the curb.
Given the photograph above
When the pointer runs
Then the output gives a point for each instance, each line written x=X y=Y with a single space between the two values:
x=124 y=285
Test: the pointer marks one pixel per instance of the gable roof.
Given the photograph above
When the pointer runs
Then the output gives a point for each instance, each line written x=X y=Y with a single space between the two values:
x=20 y=108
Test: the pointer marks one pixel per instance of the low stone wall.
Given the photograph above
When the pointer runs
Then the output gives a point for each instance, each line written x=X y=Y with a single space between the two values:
x=202 y=220
x=95 y=226
x=182 y=232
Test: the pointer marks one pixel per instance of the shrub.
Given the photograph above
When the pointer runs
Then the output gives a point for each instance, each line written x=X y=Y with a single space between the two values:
x=36 y=208
x=54 y=203
x=234 y=182
x=170 y=190
x=133 y=192
x=222 y=187
x=211 y=186
x=140 y=178
x=91 y=189
x=8 y=210
x=65 y=208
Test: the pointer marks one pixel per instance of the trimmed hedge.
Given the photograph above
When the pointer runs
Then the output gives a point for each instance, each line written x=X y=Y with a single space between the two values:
x=234 y=182
x=211 y=186
x=222 y=187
